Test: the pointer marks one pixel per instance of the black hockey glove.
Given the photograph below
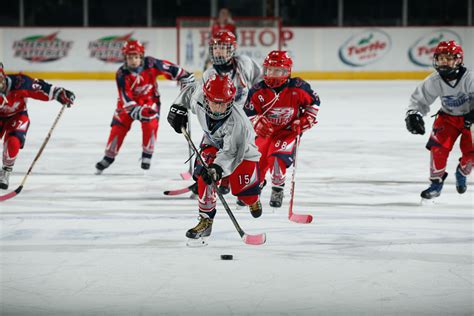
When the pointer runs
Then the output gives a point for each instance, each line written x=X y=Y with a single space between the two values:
x=415 y=123
x=178 y=117
x=469 y=119
x=63 y=96
x=213 y=172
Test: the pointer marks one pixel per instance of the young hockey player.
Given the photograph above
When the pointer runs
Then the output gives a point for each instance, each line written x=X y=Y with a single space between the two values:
x=139 y=100
x=280 y=107
x=228 y=147
x=454 y=85
x=14 y=121
x=243 y=71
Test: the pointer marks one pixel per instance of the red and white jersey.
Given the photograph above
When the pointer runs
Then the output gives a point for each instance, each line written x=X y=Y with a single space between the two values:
x=140 y=87
x=244 y=72
x=19 y=89
x=283 y=105
x=233 y=136
x=457 y=97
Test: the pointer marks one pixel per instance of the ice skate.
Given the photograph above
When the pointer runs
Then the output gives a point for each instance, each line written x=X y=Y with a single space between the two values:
x=256 y=209
x=103 y=164
x=240 y=204
x=146 y=161
x=435 y=188
x=461 y=185
x=276 y=198
x=199 y=234
x=4 y=177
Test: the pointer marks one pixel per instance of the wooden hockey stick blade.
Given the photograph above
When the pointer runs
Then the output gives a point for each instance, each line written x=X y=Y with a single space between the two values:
x=254 y=239
x=11 y=194
x=177 y=191
x=301 y=218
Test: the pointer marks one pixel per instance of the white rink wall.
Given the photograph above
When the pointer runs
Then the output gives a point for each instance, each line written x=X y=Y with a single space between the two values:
x=87 y=51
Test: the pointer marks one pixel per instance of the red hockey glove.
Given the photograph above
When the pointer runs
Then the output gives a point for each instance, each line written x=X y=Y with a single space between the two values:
x=63 y=96
x=262 y=126
x=302 y=124
x=141 y=113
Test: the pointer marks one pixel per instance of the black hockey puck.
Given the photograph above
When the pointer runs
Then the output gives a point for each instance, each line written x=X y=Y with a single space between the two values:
x=227 y=257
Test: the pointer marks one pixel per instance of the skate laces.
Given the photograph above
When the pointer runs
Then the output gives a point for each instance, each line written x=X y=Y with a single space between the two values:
x=255 y=207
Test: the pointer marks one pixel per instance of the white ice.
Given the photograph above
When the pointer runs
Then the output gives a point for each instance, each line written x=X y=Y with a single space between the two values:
x=76 y=243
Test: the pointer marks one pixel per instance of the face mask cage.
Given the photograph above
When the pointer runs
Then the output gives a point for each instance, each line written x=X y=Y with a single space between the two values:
x=444 y=68
x=275 y=76
x=218 y=115
x=221 y=53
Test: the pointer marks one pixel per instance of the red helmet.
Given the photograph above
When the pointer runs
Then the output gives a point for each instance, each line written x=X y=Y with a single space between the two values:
x=221 y=90
x=133 y=47
x=452 y=49
x=222 y=47
x=281 y=65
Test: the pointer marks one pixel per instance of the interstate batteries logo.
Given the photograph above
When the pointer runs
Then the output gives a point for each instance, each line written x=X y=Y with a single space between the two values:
x=421 y=52
x=365 y=48
x=109 y=48
x=41 y=48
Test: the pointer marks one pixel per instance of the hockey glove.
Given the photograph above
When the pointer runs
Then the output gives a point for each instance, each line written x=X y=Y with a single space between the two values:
x=178 y=117
x=469 y=119
x=262 y=126
x=63 y=96
x=186 y=81
x=303 y=124
x=213 y=172
x=141 y=113
x=415 y=123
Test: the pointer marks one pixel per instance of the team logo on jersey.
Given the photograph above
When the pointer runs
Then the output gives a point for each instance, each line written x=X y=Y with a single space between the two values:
x=452 y=101
x=365 y=48
x=280 y=116
x=109 y=48
x=421 y=52
x=41 y=48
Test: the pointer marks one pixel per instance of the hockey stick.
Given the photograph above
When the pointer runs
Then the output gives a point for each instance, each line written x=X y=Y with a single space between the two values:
x=248 y=239
x=297 y=218
x=186 y=175
x=191 y=188
x=43 y=145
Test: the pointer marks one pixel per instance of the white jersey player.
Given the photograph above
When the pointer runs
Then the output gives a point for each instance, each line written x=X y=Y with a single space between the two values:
x=454 y=85
x=243 y=70
x=228 y=148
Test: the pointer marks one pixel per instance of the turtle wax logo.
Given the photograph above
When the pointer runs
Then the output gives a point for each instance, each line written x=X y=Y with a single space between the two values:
x=41 y=48
x=365 y=48
x=422 y=51
x=109 y=48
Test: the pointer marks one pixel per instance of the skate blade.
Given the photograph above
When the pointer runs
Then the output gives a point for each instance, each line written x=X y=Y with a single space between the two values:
x=197 y=243
x=98 y=172
x=427 y=201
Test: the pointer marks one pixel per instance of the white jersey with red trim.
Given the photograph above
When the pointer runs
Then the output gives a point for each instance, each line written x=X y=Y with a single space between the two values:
x=457 y=97
x=233 y=136
x=244 y=74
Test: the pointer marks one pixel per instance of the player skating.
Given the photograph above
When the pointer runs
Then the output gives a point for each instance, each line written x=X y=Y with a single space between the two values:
x=243 y=71
x=281 y=108
x=228 y=147
x=14 y=121
x=139 y=100
x=454 y=85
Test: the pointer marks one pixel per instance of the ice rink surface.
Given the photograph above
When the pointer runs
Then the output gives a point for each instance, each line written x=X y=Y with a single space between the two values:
x=73 y=243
